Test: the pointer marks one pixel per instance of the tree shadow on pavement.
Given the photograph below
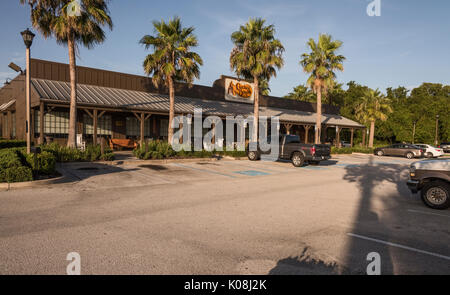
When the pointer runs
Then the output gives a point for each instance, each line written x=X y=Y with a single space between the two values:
x=74 y=172
x=305 y=264
x=374 y=182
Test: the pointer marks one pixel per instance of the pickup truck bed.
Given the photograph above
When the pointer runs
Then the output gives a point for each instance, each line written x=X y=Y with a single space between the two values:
x=290 y=148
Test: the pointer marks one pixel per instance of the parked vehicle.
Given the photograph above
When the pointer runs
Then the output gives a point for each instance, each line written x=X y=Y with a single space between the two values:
x=445 y=146
x=432 y=179
x=400 y=149
x=290 y=148
x=345 y=144
x=431 y=151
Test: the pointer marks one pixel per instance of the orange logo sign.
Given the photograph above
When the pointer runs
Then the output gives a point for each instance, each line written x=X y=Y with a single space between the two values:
x=238 y=89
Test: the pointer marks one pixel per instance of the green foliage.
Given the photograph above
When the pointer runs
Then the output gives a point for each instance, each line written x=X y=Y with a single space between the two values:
x=68 y=154
x=171 y=58
x=12 y=169
x=256 y=53
x=335 y=150
x=16 y=174
x=322 y=62
x=107 y=157
x=162 y=150
x=43 y=163
x=8 y=143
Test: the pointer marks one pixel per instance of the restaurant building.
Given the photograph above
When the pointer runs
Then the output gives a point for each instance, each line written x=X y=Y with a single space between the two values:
x=123 y=106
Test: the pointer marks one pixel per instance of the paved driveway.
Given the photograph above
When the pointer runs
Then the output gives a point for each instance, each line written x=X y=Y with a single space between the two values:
x=225 y=217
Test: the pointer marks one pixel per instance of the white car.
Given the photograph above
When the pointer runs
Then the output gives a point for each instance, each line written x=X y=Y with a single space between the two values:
x=431 y=151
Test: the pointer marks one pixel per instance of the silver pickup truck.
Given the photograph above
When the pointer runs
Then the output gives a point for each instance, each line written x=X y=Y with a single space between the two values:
x=432 y=179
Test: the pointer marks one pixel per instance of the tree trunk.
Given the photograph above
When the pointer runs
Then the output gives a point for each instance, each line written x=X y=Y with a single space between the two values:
x=256 y=110
x=372 y=133
x=171 y=108
x=72 y=142
x=319 y=115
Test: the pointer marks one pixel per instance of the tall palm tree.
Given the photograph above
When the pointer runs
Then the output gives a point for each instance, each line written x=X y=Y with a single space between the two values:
x=171 y=60
x=371 y=107
x=52 y=18
x=321 y=63
x=256 y=55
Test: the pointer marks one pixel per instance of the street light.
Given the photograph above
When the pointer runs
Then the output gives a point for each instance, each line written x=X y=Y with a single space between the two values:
x=28 y=37
x=437 y=127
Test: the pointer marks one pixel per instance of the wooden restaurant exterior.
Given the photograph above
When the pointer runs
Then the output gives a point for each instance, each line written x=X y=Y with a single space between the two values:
x=123 y=106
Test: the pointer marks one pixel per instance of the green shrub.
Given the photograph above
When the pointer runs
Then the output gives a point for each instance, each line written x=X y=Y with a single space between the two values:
x=45 y=164
x=13 y=143
x=66 y=154
x=16 y=174
x=362 y=150
x=107 y=157
x=9 y=158
x=346 y=150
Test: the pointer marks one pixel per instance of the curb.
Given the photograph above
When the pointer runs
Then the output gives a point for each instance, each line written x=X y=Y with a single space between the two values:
x=27 y=184
x=168 y=161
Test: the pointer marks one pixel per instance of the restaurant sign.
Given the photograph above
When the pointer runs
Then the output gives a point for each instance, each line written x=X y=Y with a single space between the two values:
x=238 y=90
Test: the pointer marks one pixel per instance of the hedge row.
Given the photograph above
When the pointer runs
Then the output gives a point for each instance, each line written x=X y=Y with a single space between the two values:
x=12 y=143
x=66 y=154
x=12 y=169
x=162 y=150
x=348 y=150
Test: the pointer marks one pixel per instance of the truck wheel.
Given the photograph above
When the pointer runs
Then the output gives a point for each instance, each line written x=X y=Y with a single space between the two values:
x=436 y=195
x=380 y=153
x=253 y=156
x=298 y=159
x=410 y=156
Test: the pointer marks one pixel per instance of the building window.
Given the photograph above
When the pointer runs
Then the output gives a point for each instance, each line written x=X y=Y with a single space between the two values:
x=55 y=123
x=13 y=129
x=104 y=125
x=164 y=128
x=133 y=127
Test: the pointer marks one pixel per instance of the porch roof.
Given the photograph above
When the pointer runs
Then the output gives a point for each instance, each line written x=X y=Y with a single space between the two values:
x=129 y=100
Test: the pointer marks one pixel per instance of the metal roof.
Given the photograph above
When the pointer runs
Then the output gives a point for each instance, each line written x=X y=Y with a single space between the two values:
x=144 y=101
x=6 y=105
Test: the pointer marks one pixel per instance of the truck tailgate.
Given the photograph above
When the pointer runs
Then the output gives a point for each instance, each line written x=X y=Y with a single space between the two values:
x=322 y=150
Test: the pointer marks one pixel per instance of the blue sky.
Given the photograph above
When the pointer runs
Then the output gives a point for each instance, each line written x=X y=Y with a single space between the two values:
x=407 y=45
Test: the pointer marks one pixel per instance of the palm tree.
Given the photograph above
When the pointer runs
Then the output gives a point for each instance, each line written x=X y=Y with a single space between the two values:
x=302 y=93
x=321 y=63
x=51 y=18
x=255 y=56
x=371 y=107
x=171 y=60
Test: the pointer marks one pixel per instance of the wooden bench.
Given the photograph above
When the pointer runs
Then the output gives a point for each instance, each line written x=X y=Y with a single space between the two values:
x=125 y=143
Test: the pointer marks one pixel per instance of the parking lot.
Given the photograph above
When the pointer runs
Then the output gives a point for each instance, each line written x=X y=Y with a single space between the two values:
x=225 y=217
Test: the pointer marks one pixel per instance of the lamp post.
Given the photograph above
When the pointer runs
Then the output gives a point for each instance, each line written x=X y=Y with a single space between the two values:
x=28 y=36
x=436 y=135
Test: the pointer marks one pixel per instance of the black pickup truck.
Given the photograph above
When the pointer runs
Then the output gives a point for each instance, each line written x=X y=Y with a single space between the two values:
x=290 y=148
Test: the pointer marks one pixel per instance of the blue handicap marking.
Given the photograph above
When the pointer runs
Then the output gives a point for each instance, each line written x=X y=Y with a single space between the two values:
x=252 y=173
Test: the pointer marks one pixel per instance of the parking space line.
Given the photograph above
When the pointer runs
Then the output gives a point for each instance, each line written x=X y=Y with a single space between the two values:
x=428 y=213
x=203 y=170
x=399 y=246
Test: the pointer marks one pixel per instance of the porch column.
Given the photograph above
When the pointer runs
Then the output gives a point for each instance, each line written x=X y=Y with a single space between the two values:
x=41 y=123
x=363 y=137
x=351 y=136
x=95 y=119
x=307 y=127
x=288 y=128
x=338 y=136
x=142 y=128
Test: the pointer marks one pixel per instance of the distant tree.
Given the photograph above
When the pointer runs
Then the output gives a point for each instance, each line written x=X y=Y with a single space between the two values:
x=256 y=55
x=172 y=59
x=302 y=93
x=373 y=106
x=321 y=63
x=51 y=18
